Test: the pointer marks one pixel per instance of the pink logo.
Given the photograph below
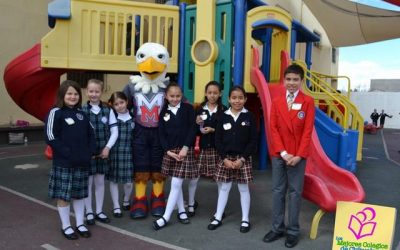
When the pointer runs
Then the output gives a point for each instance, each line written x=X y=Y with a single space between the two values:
x=362 y=224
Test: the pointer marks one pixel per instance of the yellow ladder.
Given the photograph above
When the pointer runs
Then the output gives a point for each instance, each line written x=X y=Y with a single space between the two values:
x=339 y=106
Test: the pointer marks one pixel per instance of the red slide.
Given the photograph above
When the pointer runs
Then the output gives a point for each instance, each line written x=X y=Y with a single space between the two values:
x=32 y=87
x=324 y=182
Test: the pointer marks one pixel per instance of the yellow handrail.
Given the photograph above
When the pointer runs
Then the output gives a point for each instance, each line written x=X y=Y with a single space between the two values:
x=322 y=75
x=321 y=90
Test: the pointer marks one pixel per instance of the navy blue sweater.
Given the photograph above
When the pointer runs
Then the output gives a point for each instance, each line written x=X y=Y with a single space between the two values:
x=236 y=138
x=71 y=136
x=177 y=130
x=208 y=140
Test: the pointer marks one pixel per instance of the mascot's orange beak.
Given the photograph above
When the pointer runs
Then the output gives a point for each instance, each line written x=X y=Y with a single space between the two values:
x=151 y=68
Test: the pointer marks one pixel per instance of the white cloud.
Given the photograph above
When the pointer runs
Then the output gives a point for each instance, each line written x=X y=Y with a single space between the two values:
x=362 y=72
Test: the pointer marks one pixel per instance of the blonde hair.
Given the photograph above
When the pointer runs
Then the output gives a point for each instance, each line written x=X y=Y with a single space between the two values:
x=98 y=82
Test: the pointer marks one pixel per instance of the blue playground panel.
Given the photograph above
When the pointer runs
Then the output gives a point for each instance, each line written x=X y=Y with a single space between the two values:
x=340 y=147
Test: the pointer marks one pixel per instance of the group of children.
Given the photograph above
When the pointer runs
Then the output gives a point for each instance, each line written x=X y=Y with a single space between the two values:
x=93 y=142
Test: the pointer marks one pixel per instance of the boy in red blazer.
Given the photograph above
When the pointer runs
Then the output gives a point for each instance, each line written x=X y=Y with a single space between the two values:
x=292 y=122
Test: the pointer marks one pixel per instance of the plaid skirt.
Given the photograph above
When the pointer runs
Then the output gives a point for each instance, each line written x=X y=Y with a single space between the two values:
x=68 y=183
x=99 y=166
x=121 y=167
x=186 y=169
x=208 y=161
x=242 y=175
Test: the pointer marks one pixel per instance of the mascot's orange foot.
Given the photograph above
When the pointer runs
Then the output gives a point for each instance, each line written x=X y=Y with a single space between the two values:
x=157 y=205
x=139 y=208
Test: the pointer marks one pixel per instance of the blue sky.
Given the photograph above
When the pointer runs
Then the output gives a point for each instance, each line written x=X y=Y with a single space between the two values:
x=380 y=60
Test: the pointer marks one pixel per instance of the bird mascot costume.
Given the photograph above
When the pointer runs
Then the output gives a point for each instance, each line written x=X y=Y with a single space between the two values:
x=146 y=96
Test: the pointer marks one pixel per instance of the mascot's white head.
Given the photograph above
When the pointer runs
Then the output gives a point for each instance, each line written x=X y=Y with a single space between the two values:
x=152 y=61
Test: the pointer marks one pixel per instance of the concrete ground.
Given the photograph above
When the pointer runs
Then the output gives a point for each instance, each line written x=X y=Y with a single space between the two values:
x=29 y=219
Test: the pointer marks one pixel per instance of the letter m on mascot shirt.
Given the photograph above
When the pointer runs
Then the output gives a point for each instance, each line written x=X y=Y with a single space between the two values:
x=148 y=108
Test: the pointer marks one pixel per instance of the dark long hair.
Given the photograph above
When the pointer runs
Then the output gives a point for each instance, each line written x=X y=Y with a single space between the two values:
x=170 y=85
x=62 y=90
x=220 y=107
x=238 y=88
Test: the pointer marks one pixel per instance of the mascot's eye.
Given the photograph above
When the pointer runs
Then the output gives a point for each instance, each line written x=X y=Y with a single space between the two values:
x=141 y=55
x=160 y=56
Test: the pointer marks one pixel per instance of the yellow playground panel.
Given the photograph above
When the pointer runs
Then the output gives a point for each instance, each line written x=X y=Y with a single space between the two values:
x=280 y=41
x=104 y=35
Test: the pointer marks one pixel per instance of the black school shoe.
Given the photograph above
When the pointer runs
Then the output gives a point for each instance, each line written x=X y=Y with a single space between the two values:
x=291 y=241
x=194 y=206
x=71 y=236
x=103 y=220
x=90 y=222
x=84 y=234
x=272 y=236
x=244 y=229
x=214 y=226
x=185 y=220
x=117 y=213
x=158 y=227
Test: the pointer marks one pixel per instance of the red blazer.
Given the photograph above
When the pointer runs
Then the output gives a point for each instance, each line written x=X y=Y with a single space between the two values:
x=291 y=130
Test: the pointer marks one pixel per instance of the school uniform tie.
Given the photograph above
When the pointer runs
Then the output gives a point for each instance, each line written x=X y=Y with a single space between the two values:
x=290 y=100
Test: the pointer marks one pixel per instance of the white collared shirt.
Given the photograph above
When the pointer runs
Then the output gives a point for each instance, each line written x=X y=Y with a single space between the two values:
x=124 y=116
x=205 y=107
x=294 y=94
x=95 y=108
x=174 y=110
x=235 y=117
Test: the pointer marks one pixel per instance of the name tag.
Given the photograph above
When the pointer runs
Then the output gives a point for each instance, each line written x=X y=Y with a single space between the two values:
x=69 y=121
x=296 y=106
x=227 y=126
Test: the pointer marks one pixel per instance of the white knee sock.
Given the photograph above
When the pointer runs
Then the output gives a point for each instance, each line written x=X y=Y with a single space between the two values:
x=192 y=192
x=174 y=193
x=244 y=202
x=88 y=200
x=114 y=194
x=222 y=200
x=99 y=191
x=219 y=184
x=79 y=208
x=64 y=216
x=181 y=205
x=127 y=192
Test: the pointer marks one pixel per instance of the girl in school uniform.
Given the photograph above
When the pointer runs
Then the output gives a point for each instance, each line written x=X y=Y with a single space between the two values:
x=207 y=116
x=106 y=132
x=177 y=130
x=71 y=137
x=236 y=141
x=121 y=168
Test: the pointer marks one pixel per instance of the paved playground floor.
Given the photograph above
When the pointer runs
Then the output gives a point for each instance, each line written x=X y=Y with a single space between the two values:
x=29 y=219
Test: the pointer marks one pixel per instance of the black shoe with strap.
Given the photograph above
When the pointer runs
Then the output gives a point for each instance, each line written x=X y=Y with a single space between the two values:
x=85 y=234
x=117 y=213
x=183 y=220
x=212 y=226
x=71 y=236
x=223 y=217
x=91 y=221
x=158 y=227
x=194 y=207
x=103 y=219
x=244 y=229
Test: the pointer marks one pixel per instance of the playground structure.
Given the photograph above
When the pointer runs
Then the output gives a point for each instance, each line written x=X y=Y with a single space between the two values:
x=203 y=42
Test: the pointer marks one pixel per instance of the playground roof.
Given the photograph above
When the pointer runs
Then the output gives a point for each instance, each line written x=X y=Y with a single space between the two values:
x=348 y=23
